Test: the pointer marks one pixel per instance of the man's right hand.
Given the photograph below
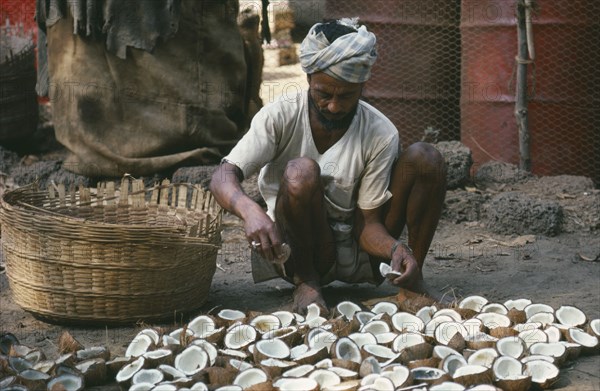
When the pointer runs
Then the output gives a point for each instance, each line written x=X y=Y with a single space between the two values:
x=263 y=235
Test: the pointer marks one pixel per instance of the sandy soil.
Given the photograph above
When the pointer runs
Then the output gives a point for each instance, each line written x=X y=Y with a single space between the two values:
x=465 y=259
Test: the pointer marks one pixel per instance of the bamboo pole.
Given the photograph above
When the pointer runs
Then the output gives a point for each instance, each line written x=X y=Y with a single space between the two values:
x=521 y=110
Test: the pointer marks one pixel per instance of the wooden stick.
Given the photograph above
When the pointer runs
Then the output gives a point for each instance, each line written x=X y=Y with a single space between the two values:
x=521 y=111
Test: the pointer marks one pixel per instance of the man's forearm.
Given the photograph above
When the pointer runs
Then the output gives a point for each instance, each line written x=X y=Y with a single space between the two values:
x=226 y=187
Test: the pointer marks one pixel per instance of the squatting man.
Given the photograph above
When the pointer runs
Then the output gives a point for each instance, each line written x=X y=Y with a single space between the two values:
x=337 y=186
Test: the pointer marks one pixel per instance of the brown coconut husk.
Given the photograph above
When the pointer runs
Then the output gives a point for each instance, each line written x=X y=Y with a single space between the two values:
x=264 y=386
x=341 y=327
x=33 y=380
x=312 y=358
x=432 y=362
x=68 y=344
x=457 y=342
x=412 y=302
x=416 y=352
x=486 y=377
x=346 y=364
x=113 y=366
x=217 y=376
x=501 y=332
x=517 y=316
x=94 y=371
x=465 y=313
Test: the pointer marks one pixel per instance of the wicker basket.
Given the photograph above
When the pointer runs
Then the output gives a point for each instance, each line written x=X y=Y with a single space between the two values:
x=108 y=255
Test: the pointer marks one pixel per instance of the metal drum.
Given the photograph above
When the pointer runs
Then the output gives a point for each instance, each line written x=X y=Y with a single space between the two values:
x=416 y=79
x=563 y=85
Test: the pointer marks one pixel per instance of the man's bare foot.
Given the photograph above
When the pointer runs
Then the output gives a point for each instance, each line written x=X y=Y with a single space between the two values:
x=307 y=293
x=421 y=287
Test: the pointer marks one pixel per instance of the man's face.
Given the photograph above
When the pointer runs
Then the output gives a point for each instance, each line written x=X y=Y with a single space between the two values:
x=334 y=99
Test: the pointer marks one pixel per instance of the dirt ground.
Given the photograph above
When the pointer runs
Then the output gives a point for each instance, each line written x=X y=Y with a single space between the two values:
x=465 y=258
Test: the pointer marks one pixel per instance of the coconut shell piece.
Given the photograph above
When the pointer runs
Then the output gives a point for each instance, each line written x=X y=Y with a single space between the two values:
x=68 y=344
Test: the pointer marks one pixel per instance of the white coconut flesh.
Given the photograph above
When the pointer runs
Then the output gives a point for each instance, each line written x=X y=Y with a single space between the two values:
x=286 y=318
x=506 y=367
x=426 y=313
x=240 y=336
x=231 y=315
x=448 y=312
x=386 y=271
x=152 y=376
x=347 y=349
x=480 y=338
x=296 y=384
x=381 y=353
x=553 y=333
x=385 y=307
x=325 y=378
x=192 y=360
x=405 y=322
x=142 y=387
x=199 y=387
x=581 y=337
x=349 y=385
x=406 y=340
x=362 y=339
x=452 y=362
x=66 y=382
x=233 y=353
x=298 y=351
x=127 y=372
x=250 y=377
x=138 y=346
x=434 y=323
x=299 y=371
x=550 y=349
x=495 y=307
x=570 y=316
x=399 y=375
x=202 y=326
x=444 y=332
x=533 y=336
x=425 y=374
x=541 y=371
x=595 y=326
x=369 y=379
x=469 y=370
x=537 y=357
x=511 y=346
x=474 y=303
x=265 y=323
x=380 y=383
x=473 y=325
x=375 y=327
x=527 y=326
x=324 y=364
x=386 y=338
x=321 y=339
x=447 y=386
x=517 y=304
x=153 y=334
x=545 y=318
x=171 y=371
x=347 y=309
x=209 y=348
x=167 y=340
x=441 y=351
x=534 y=308
x=363 y=317
x=273 y=348
x=177 y=333
x=343 y=373
x=491 y=320
x=484 y=357
x=229 y=388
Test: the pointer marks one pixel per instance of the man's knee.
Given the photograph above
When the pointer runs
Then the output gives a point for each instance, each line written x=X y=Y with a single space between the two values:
x=301 y=175
x=425 y=160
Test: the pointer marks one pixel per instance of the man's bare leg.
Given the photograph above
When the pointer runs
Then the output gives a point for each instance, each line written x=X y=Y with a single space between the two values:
x=418 y=185
x=302 y=219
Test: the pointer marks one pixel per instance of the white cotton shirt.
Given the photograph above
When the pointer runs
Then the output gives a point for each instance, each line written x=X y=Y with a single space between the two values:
x=355 y=170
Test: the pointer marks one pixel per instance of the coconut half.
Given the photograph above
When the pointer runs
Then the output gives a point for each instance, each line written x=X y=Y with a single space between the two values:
x=140 y=344
x=545 y=318
x=512 y=347
x=271 y=348
x=399 y=375
x=426 y=313
x=471 y=375
x=385 y=307
x=228 y=316
x=434 y=323
x=587 y=341
x=192 y=360
x=318 y=338
x=570 y=316
x=346 y=349
x=452 y=362
x=429 y=375
x=448 y=312
x=128 y=371
x=446 y=332
x=386 y=271
x=363 y=339
x=375 y=327
x=474 y=303
x=543 y=373
x=250 y=377
x=405 y=322
x=518 y=304
x=66 y=383
x=594 y=327
x=406 y=340
x=152 y=376
x=325 y=377
x=533 y=336
x=296 y=384
x=534 y=308
x=265 y=323
x=447 y=386
x=484 y=357
x=240 y=336
x=381 y=353
x=492 y=320
x=202 y=326
x=347 y=309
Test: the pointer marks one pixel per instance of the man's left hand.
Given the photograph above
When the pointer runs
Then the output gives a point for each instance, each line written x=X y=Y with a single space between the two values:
x=404 y=261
